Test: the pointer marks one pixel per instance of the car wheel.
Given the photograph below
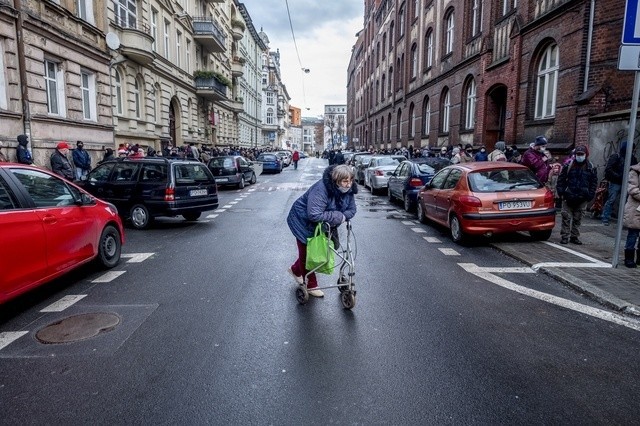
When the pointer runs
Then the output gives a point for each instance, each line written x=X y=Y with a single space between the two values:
x=241 y=184
x=140 y=217
x=541 y=235
x=253 y=179
x=421 y=213
x=109 y=247
x=191 y=217
x=456 y=229
x=408 y=205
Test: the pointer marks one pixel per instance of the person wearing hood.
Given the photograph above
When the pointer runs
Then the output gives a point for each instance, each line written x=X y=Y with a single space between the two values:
x=455 y=155
x=330 y=200
x=81 y=161
x=536 y=159
x=498 y=153
x=108 y=155
x=613 y=172
x=22 y=153
x=60 y=164
x=576 y=186
x=481 y=155
x=631 y=218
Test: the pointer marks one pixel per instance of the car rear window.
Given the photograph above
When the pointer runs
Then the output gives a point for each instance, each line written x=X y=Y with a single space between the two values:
x=222 y=162
x=503 y=180
x=387 y=162
x=192 y=173
x=267 y=158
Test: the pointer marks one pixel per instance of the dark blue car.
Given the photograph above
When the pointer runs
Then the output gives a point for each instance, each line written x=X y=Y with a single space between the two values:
x=270 y=163
x=410 y=176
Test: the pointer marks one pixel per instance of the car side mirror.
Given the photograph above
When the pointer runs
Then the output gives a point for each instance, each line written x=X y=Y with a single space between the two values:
x=85 y=200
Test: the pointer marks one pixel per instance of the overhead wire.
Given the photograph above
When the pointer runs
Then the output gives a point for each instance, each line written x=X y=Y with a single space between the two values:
x=295 y=45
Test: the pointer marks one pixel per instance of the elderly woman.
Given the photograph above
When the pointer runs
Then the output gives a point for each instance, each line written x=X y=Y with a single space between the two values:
x=330 y=200
x=631 y=218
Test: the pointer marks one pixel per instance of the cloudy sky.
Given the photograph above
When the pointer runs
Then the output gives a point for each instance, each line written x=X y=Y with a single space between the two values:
x=325 y=33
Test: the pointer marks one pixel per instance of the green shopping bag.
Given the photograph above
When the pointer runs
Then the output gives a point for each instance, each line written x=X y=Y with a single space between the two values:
x=320 y=252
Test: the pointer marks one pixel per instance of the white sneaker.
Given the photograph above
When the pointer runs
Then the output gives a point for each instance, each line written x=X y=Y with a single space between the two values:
x=316 y=293
x=298 y=279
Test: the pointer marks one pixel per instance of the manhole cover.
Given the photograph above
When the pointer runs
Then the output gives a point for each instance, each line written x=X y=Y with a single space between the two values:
x=78 y=327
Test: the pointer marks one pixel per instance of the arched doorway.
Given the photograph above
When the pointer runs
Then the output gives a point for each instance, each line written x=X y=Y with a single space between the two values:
x=496 y=113
x=174 y=122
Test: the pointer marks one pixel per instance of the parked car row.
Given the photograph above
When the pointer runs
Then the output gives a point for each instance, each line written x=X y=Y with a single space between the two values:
x=470 y=199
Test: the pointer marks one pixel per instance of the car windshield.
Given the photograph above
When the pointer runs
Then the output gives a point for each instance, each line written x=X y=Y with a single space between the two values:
x=503 y=180
x=387 y=162
x=225 y=162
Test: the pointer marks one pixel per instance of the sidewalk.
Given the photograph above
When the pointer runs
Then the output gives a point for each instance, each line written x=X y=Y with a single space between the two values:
x=587 y=268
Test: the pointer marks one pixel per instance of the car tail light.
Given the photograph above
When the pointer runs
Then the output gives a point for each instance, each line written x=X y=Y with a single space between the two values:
x=378 y=173
x=169 y=194
x=548 y=197
x=471 y=201
x=416 y=182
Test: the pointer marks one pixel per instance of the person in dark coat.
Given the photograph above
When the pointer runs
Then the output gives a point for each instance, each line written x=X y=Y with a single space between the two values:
x=60 y=164
x=22 y=153
x=536 y=159
x=330 y=200
x=108 y=155
x=81 y=161
x=339 y=158
x=481 y=155
x=576 y=186
x=613 y=172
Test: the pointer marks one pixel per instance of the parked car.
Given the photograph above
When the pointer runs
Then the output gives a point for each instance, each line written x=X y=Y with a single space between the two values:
x=361 y=163
x=486 y=198
x=270 y=163
x=380 y=168
x=410 y=175
x=232 y=170
x=353 y=158
x=50 y=227
x=286 y=157
x=148 y=187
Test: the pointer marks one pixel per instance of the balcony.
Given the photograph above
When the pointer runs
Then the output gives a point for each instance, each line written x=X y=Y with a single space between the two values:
x=210 y=88
x=237 y=29
x=136 y=42
x=207 y=33
x=237 y=67
x=237 y=105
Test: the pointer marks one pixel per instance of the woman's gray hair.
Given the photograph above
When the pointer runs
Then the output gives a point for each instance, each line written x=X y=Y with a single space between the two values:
x=341 y=172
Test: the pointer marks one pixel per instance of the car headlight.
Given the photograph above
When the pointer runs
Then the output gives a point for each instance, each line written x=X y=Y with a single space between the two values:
x=112 y=208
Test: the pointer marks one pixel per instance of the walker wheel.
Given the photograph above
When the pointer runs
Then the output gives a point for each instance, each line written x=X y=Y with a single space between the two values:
x=302 y=295
x=343 y=280
x=348 y=299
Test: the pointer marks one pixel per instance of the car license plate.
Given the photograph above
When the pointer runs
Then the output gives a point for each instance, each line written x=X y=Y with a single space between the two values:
x=222 y=179
x=197 y=192
x=514 y=205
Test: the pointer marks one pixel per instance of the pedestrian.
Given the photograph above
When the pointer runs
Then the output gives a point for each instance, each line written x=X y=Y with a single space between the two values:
x=481 y=155
x=60 y=163
x=466 y=156
x=81 y=161
x=498 y=153
x=330 y=200
x=455 y=155
x=631 y=218
x=443 y=152
x=108 y=155
x=552 y=183
x=536 y=160
x=295 y=158
x=613 y=173
x=22 y=153
x=339 y=158
x=3 y=158
x=576 y=186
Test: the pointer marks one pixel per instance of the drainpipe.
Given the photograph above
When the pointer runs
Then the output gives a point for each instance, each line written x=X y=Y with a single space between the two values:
x=587 y=64
x=26 y=114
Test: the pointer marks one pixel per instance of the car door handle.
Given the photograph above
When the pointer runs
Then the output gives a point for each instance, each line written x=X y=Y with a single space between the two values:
x=49 y=219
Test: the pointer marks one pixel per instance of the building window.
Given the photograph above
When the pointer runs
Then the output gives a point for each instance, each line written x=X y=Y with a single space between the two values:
x=399 y=125
x=508 y=6
x=269 y=98
x=546 y=87
x=54 y=84
x=88 y=95
x=154 y=29
x=391 y=27
x=136 y=98
x=156 y=104
x=445 y=107
x=414 y=61
x=125 y=11
x=416 y=9
x=448 y=35
x=167 y=29
x=412 y=122
x=384 y=45
x=178 y=48
x=3 y=81
x=470 y=105
x=188 y=54
x=85 y=10
x=383 y=87
x=118 y=87
x=269 y=115
x=428 y=46
x=389 y=128
x=476 y=18
x=426 y=117
x=401 y=22
x=390 y=80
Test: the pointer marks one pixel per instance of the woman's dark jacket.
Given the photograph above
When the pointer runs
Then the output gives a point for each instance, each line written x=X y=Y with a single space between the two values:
x=323 y=202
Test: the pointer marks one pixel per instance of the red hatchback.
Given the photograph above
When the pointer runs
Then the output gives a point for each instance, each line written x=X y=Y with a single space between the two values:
x=486 y=198
x=49 y=227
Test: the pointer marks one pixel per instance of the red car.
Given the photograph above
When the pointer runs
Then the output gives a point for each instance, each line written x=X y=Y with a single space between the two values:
x=486 y=198
x=49 y=227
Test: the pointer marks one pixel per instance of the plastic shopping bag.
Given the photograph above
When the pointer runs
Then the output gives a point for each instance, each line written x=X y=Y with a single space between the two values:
x=320 y=252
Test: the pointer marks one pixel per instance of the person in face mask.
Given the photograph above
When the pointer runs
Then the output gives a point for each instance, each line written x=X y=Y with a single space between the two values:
x=330 y=200
x=576 y=186
x=481 y=155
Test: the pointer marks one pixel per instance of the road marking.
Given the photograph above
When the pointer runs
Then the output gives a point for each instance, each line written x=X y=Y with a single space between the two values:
x=252 y=189
x=64 y=303
x=575 y=253
x=228 y=206
x=449 y=251
x=554 y=300
x=238 y=199
x=233 y=203
x=407 y=222
x=569 y=265
x=419 y=230
x=108 y=276
x=212 y=216
x=432 y=240
x=220 y=210
x=9 y=336
x=136 y=257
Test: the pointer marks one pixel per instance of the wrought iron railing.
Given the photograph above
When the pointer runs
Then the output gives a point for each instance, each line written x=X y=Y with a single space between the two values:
x=203 y=25
x=130 y=22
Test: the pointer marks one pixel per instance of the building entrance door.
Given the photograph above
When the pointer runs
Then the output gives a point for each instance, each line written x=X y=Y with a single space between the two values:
x=495 y=116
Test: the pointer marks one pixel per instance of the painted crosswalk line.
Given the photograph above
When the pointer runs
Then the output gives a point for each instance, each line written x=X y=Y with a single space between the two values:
x=448 y=251
x=64 y=303
x=136 y=257
x=10 y=336
x=108 y=276
x=432 y=239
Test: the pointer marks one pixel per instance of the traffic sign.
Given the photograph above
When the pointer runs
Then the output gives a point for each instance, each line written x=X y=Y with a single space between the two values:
x=631 y=26
x=629 y=58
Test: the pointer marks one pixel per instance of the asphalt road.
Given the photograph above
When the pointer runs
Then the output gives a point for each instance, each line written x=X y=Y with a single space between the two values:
x=210 y=331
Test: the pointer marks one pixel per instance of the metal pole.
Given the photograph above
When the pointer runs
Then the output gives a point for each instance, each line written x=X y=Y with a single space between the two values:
x=627 y=165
